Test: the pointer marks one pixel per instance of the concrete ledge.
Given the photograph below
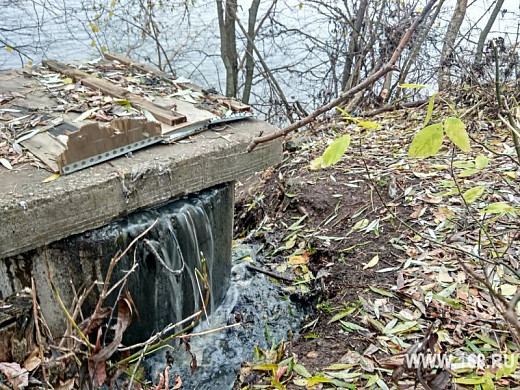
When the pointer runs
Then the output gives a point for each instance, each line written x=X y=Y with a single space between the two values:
x=34 y=214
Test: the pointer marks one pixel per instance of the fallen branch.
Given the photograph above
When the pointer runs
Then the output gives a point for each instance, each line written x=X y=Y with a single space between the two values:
x=394 y=107
x=270 y=273
x=388 y=67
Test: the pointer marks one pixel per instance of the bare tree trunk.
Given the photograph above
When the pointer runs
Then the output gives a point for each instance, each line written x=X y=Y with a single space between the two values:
x=227 y=16
x=250 y=63
x=483 y=35
x=449 y=42
x=353 y=46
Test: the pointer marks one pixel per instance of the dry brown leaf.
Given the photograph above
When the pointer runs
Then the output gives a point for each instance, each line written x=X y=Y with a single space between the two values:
x=33 y=361
x=17 y=376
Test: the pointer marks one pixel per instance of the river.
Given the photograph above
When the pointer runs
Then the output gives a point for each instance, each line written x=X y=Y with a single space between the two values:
x=79 y=30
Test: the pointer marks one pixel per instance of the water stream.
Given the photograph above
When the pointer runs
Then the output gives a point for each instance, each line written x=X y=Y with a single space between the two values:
x=165 y=287
x=265 y=315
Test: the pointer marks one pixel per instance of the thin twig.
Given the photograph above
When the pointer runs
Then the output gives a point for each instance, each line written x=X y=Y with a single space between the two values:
x=38 y=333
x=388 y=67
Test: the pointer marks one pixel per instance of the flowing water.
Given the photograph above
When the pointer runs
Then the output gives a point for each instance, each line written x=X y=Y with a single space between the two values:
x=165 y=290
x=265 y=315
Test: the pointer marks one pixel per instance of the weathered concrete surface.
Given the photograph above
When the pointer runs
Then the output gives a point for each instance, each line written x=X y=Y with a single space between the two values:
x=198 y=223
x=34 y=214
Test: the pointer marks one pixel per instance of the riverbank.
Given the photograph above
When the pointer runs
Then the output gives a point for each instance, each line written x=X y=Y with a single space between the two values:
x=384 y=246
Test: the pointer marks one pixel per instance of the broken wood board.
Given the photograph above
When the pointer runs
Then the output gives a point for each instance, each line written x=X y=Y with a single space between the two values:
x=78 y=142
x=96 y=142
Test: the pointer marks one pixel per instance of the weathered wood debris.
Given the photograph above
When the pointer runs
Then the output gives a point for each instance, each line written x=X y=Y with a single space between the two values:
x=65 y=117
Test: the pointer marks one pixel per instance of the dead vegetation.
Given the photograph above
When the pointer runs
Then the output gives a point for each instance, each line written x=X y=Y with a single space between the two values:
x=408 y=257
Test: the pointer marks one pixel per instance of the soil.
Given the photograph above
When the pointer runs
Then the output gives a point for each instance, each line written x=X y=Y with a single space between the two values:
x=333 y=199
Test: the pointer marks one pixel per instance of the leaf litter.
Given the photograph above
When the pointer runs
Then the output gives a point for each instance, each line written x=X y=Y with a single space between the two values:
x=405 y=244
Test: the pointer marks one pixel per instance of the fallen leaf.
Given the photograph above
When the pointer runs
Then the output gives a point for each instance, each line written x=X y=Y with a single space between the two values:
x=372 y=262
x=17 y=376
x=51 y=178
x=6 y=163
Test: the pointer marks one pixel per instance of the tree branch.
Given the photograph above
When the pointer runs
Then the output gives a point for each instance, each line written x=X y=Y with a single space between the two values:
x=388 y=67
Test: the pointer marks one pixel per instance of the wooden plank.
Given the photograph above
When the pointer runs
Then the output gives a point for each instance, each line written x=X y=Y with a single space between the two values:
x=233 y=104
x=137 y=65
x=162 y=114
x=108 y=88
x=66 y=70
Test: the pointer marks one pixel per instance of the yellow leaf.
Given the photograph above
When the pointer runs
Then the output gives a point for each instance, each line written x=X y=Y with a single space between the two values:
x=92 y=43
x=417 y=86
x=369 y=125
x=68 y=80
x=508 y=289
x=51 y=178
x=372 y=262
x=103 y=49
x=297 y=260
x=9 y=49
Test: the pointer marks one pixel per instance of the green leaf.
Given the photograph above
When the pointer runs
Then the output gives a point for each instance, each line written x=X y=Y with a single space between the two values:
x=342 y=314
x=473 y=194
x=67 y=80
x=509 y=366
x=498 y=208
x=314 y=380
x=335 y=151
x=339 y=366
x=266 y=367
x=301 y=370
x=403 y=327
x=468 y=172
x=350 y=326
x=369 y=125
x=382 y=292
x=427 y=141
x=481 y=161
x=429 y=112
x=416 y=86
x=487 y=340
x=456 y=131
x=469 y=381
x=343 y=385
x=373 y=379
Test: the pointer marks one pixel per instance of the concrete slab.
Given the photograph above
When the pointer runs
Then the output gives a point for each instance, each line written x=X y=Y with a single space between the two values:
x=34 y=214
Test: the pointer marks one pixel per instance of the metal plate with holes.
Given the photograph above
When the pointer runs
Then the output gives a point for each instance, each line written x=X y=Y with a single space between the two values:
x=191 y=130
x=167 y=138
x=110 y=154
